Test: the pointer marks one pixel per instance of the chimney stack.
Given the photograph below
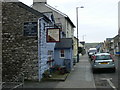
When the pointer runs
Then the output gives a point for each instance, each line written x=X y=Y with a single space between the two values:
x=40 y=1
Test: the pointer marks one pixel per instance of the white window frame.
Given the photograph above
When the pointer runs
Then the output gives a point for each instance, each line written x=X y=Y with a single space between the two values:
x=62 y=53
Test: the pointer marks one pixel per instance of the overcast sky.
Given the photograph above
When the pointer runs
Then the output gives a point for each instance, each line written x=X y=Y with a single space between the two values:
x=98 y=19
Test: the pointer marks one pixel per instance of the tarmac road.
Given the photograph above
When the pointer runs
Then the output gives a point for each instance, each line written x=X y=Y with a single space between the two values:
x=106 y=78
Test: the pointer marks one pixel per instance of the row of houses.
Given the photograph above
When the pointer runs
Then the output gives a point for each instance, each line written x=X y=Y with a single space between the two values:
x=111 y=45
x=24 y=47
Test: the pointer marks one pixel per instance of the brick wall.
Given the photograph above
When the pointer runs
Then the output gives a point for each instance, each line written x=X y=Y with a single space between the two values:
x=19 y=53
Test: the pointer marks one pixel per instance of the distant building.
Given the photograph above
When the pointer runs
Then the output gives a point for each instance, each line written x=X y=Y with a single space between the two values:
x=107 y=45
x=119 y=17
x=116 y=44
x=98 y=47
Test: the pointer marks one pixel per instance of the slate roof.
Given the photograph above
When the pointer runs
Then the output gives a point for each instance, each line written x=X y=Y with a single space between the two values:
x=65 y=43
x=109 y=39
x=66 y=16
x=30 y=9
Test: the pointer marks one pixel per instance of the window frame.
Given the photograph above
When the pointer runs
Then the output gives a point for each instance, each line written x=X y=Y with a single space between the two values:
x=62 y=53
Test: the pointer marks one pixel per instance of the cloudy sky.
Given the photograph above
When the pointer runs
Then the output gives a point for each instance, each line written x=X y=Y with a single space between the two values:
x=98 y=19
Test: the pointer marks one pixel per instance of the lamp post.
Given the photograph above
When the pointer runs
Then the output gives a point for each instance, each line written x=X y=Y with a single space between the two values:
x=83 y=36
x=77 y=32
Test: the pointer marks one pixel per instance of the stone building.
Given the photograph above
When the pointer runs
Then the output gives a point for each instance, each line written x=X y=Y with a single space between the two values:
x=22 y=42
x=0 y=44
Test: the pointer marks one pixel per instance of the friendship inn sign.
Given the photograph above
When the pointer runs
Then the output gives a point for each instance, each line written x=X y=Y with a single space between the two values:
x=53 y=35
x=30 y=29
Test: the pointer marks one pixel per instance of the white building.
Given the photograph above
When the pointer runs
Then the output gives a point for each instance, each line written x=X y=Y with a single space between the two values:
x=60 y=18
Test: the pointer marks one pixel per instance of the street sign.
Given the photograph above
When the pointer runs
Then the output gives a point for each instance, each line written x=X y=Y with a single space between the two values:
x=53 y=35
x=118 y=53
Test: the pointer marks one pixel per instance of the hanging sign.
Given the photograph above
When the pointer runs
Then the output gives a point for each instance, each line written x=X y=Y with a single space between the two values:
x=53 y=34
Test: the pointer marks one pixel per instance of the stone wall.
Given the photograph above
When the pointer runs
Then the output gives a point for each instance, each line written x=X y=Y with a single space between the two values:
x=19 y=52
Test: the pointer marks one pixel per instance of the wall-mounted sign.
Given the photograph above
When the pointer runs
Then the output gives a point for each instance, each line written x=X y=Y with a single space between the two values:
x=118 y=53
x=30 y=29
x=53 y=35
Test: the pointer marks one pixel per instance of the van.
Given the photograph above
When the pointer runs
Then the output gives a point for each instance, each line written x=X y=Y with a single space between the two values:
x=91 y=52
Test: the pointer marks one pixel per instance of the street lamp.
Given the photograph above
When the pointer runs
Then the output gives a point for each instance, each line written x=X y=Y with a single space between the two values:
x=77 y=32
x=83 y=36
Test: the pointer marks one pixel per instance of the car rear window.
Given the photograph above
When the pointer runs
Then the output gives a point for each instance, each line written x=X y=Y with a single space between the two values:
x=93 y=51
x=103 y=57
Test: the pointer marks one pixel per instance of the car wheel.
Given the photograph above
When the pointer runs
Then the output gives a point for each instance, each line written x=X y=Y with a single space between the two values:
x=93 y=70
x=114 y=69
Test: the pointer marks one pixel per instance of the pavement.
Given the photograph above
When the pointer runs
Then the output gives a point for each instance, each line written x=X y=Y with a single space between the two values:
x=81 y=76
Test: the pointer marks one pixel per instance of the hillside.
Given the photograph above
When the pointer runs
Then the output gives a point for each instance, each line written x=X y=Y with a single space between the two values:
x=90 y=45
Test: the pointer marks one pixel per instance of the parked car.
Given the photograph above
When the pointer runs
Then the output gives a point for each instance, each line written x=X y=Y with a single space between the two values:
x=103 y=61
x=91 y=52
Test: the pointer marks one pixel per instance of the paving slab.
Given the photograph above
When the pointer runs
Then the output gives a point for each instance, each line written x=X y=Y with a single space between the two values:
x=80 y=77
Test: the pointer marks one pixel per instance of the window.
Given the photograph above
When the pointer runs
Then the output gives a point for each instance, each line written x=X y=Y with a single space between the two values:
x=62 y=53
x=103 y=57
x=50 y=52
x=50 y=58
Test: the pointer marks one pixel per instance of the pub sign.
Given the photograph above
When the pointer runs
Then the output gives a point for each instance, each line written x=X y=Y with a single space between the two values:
x=53 y=35
x=30 y=29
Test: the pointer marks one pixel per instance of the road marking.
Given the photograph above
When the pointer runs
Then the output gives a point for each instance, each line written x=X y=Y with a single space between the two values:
x=110 y=83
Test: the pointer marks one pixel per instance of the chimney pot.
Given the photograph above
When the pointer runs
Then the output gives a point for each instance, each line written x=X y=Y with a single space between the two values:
x=40 y=1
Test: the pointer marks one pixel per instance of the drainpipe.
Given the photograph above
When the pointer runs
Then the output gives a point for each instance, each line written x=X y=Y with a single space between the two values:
x=39 y=48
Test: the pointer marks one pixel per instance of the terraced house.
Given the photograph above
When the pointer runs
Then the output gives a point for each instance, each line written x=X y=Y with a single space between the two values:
x=61 y=20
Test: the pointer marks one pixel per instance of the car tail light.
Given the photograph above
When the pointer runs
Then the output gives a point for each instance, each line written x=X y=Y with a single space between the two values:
x=112 y=58
x=94 y=58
